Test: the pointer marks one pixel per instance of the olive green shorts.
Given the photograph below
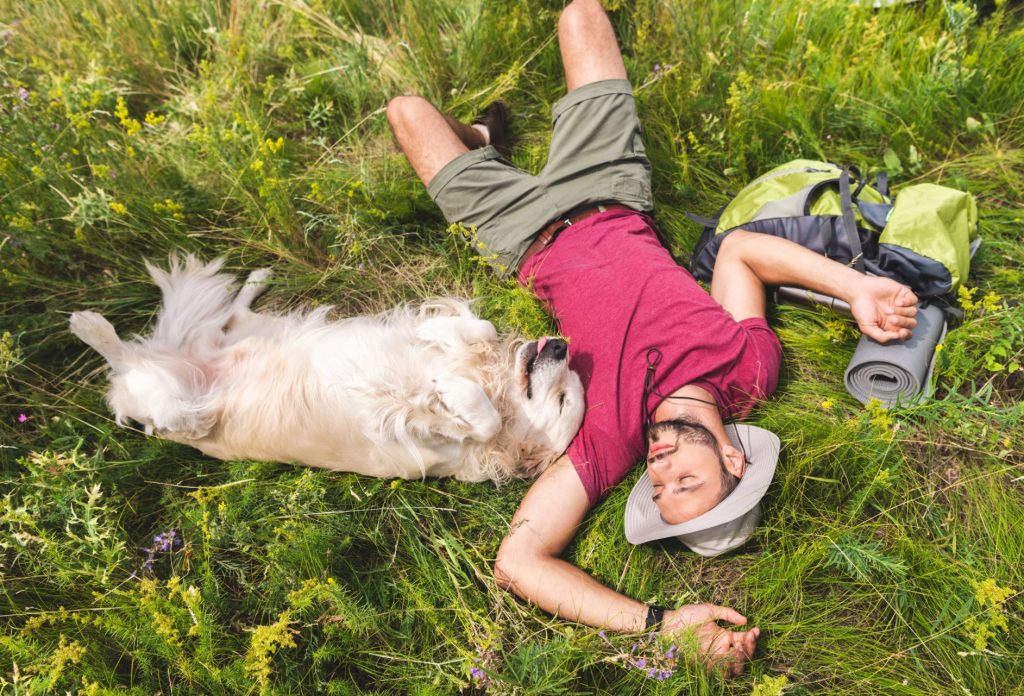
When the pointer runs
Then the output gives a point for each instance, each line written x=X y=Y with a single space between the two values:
x=596 y=156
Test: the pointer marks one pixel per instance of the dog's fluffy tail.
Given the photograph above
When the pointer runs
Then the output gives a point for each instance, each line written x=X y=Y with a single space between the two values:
x=196 y=302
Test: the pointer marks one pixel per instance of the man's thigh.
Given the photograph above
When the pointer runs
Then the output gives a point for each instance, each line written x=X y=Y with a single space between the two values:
x=597 y=154
x=506 y=206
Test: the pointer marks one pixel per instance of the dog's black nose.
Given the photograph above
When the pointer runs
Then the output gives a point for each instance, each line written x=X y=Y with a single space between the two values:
x=556 y=348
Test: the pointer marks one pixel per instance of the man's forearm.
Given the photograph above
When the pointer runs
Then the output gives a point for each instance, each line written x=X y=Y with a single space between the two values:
x=563 y=590
x=748 y=261
x=777 y=261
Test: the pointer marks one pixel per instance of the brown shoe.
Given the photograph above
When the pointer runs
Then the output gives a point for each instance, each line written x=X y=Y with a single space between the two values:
x=495 y=117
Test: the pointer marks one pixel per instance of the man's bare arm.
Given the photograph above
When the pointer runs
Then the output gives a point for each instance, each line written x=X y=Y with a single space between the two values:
x=747 y=262
x=529 y=560
x=529 y=565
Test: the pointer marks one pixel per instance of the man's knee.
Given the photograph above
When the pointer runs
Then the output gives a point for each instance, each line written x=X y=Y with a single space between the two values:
x=579 y=16
x=403 y=110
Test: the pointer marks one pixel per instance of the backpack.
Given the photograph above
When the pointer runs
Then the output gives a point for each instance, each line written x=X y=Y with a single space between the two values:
x=922 y=239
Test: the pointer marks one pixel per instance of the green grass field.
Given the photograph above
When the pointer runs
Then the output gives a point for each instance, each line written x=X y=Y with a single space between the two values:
x=891 y=560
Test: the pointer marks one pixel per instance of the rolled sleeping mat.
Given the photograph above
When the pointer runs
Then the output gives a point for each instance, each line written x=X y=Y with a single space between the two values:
x=899 y=371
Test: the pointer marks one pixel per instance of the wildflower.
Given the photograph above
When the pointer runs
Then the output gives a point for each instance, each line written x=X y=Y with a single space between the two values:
x=22 y=418
x=162 y=543
x=131 y=125
x=827 y=404
x=603 y=634
x=478 y=675
x=23 y=94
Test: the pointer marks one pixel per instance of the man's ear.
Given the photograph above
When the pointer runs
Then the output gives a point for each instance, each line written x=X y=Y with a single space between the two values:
x=734 y=461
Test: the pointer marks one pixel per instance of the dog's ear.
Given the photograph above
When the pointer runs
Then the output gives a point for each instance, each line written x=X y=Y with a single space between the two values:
x=101 y=336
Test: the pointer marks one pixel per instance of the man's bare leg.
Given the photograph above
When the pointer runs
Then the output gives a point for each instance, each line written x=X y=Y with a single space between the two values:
x=429 y=138
x=590 y=51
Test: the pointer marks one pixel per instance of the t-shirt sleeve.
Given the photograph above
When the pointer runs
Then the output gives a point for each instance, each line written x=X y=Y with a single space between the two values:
x=601 y=460
x=755 y=377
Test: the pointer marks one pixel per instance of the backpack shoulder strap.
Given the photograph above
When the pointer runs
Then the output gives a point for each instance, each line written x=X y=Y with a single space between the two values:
x=850 y=222
x=703 y=221
x=882 y=183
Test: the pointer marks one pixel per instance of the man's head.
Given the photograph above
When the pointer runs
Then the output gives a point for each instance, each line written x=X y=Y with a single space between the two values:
x=689 y=471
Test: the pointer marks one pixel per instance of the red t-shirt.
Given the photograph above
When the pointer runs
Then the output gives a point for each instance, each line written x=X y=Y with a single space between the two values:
x=616 y=292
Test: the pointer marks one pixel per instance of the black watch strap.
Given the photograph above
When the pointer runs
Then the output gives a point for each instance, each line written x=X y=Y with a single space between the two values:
x=655 y=615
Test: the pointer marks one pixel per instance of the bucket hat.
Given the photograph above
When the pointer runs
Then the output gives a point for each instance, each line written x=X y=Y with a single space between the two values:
x=728 y=524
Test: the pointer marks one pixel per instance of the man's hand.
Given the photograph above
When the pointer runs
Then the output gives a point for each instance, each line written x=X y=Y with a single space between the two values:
x=884 y=309
x=719 y=647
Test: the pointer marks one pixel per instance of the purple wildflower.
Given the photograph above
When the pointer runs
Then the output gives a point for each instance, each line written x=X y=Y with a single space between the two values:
x=671 y=652
x=23 y=94
x=602 y=634
x=641 y=663
x=22 y=418
x=664 y=674
x=478 y=675
x=652 y=673
x=162 y=543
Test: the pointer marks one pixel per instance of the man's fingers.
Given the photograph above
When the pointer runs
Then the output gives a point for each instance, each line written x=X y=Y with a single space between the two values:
x=903 y=322
x=883 y=336
x=717 y=613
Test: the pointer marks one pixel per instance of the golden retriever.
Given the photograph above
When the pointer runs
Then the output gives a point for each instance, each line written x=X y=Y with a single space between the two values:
x=429 y=390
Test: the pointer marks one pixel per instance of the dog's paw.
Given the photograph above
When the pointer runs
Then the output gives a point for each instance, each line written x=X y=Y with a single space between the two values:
x=92 y=328
x=259 y=277
x=453 y=331
x=99 y=334
x=467 y=403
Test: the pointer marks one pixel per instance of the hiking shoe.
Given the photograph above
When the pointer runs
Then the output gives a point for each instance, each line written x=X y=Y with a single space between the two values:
x=495 y=118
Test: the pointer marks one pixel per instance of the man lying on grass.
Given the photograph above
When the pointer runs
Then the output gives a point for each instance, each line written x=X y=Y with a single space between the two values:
x=645 y=337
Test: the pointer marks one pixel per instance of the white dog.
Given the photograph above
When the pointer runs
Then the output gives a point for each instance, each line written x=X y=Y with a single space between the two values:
x=426 y=391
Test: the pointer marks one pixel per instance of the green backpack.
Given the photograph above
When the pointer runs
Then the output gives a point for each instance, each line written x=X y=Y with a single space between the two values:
x=922 y=239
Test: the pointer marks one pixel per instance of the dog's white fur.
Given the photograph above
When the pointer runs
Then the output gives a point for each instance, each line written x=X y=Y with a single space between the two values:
x=417 y=391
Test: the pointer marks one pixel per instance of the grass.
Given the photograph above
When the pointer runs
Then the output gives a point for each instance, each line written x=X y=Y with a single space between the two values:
x=890 y=560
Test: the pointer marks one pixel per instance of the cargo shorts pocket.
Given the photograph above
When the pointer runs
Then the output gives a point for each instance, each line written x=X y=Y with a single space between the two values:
x=630 y=188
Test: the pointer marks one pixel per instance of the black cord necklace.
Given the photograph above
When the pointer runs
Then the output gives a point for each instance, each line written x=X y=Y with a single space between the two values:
x=653 y=358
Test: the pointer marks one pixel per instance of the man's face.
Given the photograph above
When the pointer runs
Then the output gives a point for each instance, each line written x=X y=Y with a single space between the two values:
x=686 y=469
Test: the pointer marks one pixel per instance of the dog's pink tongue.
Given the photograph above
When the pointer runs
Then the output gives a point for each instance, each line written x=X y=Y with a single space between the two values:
x=540 y=344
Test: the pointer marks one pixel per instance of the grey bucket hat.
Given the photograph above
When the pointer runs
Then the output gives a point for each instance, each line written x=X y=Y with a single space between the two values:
x=728 y=524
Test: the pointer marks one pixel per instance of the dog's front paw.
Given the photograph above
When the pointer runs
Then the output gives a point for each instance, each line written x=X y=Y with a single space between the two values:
x=467 y=403
x=452 y=332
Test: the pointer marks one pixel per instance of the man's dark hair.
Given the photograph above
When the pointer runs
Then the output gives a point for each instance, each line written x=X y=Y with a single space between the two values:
x=697 y=433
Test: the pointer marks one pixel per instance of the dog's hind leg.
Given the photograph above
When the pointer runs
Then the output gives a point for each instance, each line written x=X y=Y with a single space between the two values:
x=99 y=334
x=255 y=285
x=242 y=320
x=472 y=413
